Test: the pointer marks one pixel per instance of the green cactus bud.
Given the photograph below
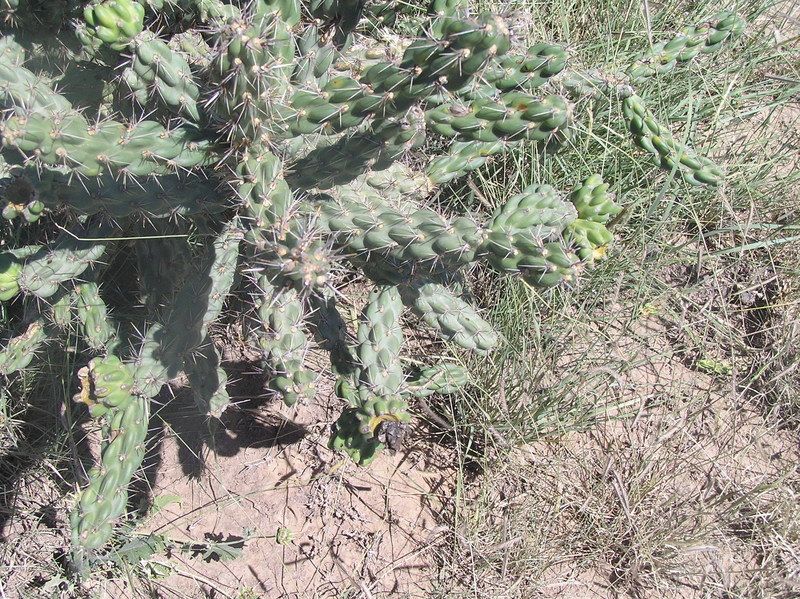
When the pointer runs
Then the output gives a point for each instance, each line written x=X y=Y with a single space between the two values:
x=593 y=202
x=114 y=22
x=106 y=380
x=590 y=239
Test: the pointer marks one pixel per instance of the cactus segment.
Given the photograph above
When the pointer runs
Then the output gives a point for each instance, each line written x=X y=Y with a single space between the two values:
x=423 y=236
x=44 y=271
x=446 y=8
x=537 y=212
x=106 y=147
x=451 y=317
x=285 y=343
x=118 y=198
x=20 y=350
x=62 y=309
x=251 y=66
x=185 y=323
x=288 y=10
x=207 y=379
x=688 y=44
x=541 y=62
x=379 y=378
x=21 y=88
x=541 y=263
x=331 y=329
x=306 y=261
x=313 y=64
x=354 y=155
x=514 y=117
x=380 y=338
x=344 y=15
x=347 y=437
x=93 y=315
x=665 y=150
x=463 y=158
x=107 y=387
x=262 y=187
x=444 y=378
x=157 y=68
x=10 y=270
x=588 y=235
x=523 y=236
x=106 y=381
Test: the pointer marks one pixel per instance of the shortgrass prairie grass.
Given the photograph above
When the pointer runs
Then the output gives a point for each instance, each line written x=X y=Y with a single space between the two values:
x=638 y=433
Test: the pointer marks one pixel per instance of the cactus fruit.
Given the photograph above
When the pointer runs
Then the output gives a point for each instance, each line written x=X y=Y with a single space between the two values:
x=593 y=202
x=266 y=150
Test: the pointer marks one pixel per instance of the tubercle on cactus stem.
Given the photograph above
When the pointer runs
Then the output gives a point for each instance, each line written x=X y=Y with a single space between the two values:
x=279 y=142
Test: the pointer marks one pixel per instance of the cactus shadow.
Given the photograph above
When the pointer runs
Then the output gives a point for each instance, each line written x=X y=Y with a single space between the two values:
x=246 y=423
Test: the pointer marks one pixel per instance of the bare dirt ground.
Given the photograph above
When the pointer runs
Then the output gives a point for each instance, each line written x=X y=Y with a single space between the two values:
x=369 y=530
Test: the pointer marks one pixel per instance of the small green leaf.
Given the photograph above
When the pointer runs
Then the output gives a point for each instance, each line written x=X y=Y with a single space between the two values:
x=162 y=501
x=215 y=549
x=140 y=548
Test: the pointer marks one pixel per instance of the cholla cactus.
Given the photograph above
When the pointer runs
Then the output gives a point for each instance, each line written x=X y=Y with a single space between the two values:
x=283 y=136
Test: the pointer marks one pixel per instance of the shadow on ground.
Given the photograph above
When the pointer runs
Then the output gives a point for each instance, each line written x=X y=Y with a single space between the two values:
x=244 y=424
